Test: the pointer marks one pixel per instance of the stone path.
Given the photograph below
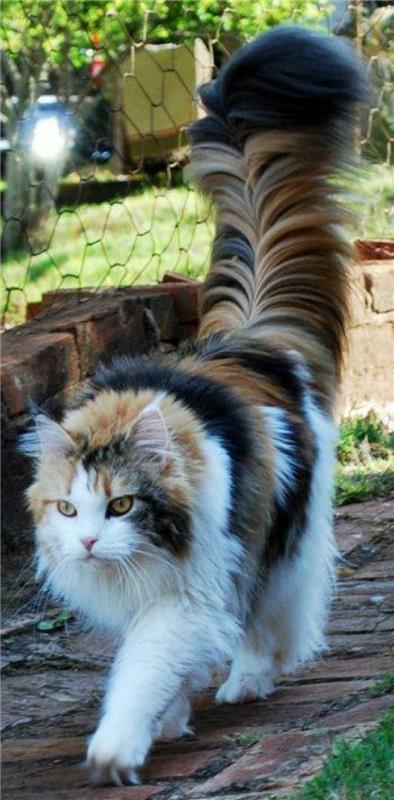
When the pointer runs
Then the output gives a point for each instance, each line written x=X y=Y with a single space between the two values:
x=53 y=682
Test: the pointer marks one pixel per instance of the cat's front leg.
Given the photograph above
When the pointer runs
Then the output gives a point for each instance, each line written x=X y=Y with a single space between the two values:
x=156 y=657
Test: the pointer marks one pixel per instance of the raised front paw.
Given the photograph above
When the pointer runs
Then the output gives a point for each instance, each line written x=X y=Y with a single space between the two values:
x=114 y=758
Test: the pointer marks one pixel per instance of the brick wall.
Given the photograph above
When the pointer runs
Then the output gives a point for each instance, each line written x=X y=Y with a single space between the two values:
x=369 y=367
x=67 y=335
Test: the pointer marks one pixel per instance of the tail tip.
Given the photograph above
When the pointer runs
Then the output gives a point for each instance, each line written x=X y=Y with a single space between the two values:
x=290 y=77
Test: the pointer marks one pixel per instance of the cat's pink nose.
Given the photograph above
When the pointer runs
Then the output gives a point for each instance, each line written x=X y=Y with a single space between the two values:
x=88 y=543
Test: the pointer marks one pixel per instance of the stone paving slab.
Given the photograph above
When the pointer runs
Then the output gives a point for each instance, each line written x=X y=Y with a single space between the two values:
x=53 y=683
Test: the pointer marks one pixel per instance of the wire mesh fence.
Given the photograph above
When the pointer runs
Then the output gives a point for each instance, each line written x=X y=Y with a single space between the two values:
x=97 y=97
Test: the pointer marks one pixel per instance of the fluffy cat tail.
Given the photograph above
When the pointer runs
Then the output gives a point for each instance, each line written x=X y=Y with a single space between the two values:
x=278 y=129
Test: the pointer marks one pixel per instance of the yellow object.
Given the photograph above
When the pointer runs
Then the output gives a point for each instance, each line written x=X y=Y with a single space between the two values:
x=155 y=87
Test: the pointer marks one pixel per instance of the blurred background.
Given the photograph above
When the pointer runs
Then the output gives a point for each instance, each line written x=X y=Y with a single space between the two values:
x=97 y=96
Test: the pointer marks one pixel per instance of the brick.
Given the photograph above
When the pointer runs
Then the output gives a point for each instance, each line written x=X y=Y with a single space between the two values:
x=220 y=723
x=368 y=643
x=89 y=793
x=32 y=756
x=61 y=297
x=363 y=624
x=364 y=712
x=114 y=323
x=373 y=249
x=381 y=569
x=349 y=600
x=387 y=623
x=188 y=330
x=57 y=775
x=372 y=509
x=380 y=285
x=177 y=764
x=102 y=329
x=323 y=691
x=33 y=309
x=176 y=277
x=368 y=365
x=39 y=749
x=186 y=298
x=345 y=668
x=36 y=366
x=67 y=296
x=45 y=775
x=368 y=588
x=110 y=334
x=360 y=299
x=237 y=796
x=49 y=694
x=264 y=758
x=161 y=306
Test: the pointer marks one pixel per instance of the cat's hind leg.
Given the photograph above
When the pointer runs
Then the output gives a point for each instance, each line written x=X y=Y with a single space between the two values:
x=287 y=626
x=252 y=673
x=288 y=622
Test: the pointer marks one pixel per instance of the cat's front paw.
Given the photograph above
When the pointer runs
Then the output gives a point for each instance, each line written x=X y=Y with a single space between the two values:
x=113 y=758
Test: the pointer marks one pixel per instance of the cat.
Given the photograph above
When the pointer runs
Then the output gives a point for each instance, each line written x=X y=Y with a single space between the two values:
x=186 y=504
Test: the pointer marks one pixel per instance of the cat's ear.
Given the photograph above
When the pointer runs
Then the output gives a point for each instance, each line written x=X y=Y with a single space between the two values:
x=151 y=436
x=45 y=437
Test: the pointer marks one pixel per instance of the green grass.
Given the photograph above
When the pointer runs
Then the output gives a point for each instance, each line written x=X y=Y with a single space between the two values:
x=383 y=686
x=362 y=770
x=365 y=467
x=112 y=244
x=137 y=239
x=373 y=201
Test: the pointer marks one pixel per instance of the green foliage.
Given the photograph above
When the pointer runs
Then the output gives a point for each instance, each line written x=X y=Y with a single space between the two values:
x=49 y=625
x=62 y=30
x=354 y=484
x=383 y=686
x=373 y=200
x=368 y=432
x=363 y=770
x=378 y=48
x=365 y=466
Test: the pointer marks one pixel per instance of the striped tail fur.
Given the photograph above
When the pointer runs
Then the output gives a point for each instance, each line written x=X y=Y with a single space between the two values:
x=278 y=130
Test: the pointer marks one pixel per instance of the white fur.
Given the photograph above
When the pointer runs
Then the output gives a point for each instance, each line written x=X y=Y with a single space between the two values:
x=285 y=468
x=288 y=626
x=178 y=618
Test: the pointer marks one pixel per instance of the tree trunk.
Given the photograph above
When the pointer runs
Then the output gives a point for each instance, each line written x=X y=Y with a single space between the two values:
x=26 y=200
x=17 y=203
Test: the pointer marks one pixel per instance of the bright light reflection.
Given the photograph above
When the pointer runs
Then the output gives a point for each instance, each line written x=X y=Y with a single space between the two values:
x=48 y=140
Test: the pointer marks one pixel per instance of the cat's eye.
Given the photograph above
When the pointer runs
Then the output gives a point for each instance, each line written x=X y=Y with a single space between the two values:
x=120 y=505
x=66 y=508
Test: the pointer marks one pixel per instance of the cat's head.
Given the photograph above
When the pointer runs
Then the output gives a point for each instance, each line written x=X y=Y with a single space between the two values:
x=116 y=481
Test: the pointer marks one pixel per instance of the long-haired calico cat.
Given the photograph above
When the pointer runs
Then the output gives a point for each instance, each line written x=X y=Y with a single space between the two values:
x=188 y=505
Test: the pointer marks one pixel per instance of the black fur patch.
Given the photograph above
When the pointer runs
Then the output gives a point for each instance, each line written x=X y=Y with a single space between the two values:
x=167 y=525
x=290 y=515
x=230 y=243
x=270 y=363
